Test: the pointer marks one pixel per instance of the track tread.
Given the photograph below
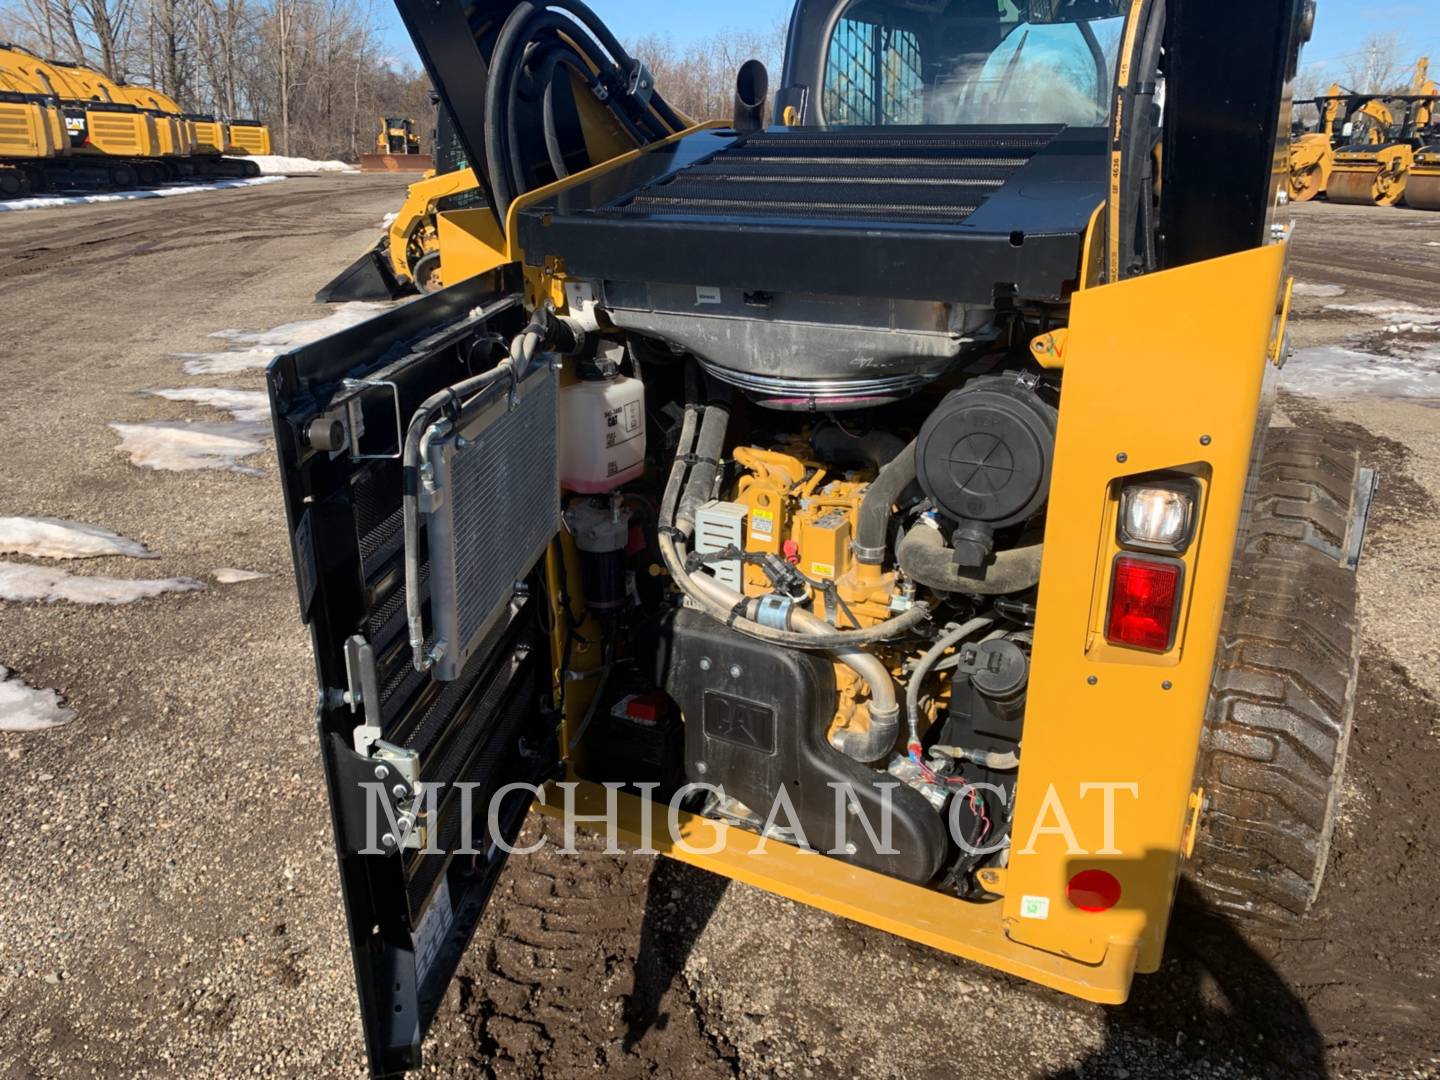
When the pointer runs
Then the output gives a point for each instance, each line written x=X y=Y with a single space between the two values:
x=1283 y=703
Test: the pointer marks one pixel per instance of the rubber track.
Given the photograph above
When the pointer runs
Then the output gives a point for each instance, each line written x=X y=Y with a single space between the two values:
x=1283 y=704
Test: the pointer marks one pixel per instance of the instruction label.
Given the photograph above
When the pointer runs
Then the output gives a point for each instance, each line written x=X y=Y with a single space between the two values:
x=762 y=524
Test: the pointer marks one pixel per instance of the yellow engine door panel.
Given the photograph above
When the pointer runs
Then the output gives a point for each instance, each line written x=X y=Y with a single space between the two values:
x=1155 y=380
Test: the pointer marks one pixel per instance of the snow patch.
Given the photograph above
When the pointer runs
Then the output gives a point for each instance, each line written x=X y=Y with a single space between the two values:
x=167 y=446
x=23 y=708
x=1399 y=316
x=1337 y=371
x=1304 y=288
x=52 y=538
x=54 y=202
x=389 y=219
x=247 y=406
x=276 y=165
x=256 y=349
x=29 y=584
x=237 y=577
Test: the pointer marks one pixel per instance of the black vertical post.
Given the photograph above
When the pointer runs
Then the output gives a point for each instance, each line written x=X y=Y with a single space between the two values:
x=1230 y=64
x=454 y=40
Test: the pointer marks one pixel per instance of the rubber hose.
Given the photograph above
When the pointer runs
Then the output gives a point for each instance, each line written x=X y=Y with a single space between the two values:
x=889 y=630
x=708 y=450
x=834 y=445
x=925 y=558
x=538 y=33
x=676 y=482
x=872 y=529
x=524 y=26
x=922 y=671
x=497 y=154
x=552 y=135
x=626 y=62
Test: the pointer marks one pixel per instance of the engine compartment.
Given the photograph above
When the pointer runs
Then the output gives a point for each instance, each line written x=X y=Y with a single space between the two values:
x=812 y=611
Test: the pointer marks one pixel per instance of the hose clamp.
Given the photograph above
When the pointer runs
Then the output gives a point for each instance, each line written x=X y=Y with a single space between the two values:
x=775 y=612
x=868 y=555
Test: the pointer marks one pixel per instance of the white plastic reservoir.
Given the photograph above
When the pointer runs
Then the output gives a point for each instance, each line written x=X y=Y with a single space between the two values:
x=602 y=434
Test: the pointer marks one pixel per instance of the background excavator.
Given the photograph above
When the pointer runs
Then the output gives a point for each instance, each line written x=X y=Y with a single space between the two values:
x=1375 y=172
x=66 y=127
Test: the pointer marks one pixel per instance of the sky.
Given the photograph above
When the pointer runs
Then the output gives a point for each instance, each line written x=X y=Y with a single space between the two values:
x=1339 y=28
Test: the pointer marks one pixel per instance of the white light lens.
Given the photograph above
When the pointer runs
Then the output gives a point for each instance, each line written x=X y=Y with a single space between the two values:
x=1157 y=516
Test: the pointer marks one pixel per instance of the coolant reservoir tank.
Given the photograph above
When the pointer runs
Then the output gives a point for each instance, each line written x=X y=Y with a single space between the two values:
x=602 y=431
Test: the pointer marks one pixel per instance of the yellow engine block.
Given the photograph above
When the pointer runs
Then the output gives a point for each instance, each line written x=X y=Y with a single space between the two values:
x=806 y=514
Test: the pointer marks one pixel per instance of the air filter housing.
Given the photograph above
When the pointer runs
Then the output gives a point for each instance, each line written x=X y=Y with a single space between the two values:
x=491 y=510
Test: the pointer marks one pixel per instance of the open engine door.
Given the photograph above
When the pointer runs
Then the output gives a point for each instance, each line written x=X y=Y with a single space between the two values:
x=415 y=756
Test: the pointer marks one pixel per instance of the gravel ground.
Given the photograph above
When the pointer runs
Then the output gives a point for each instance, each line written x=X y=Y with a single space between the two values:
x=168 y=900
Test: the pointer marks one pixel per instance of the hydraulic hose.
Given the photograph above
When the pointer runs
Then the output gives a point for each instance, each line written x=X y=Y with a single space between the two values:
x=541 y=35
x=872 y=528
x=922 y=671
x=706 y=458
x=924 y=558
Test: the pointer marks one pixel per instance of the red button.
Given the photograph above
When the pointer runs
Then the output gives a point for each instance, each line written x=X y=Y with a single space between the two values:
x=1094 y=891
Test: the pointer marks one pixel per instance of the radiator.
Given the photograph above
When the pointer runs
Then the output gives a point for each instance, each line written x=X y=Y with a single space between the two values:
x=494 y=508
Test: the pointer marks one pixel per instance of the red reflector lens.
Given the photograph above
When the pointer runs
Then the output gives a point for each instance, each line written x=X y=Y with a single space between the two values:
x=1144 y=601
x=1094 y=891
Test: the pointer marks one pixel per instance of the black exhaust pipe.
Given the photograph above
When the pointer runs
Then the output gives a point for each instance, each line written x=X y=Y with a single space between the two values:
x=752 y=94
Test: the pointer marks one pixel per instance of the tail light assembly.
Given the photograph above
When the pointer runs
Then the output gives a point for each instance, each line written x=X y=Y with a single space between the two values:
x=1145 y=597
x=1158 y=519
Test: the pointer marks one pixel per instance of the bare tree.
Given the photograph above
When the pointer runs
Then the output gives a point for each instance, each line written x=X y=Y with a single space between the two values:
x=1376 y=67
x=699 y=79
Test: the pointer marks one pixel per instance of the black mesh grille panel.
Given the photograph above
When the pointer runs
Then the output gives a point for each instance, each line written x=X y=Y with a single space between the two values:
x=919 y=176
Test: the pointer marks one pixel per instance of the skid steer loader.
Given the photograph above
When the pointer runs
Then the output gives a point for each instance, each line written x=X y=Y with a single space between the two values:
x=877 y=506
x=407 y=257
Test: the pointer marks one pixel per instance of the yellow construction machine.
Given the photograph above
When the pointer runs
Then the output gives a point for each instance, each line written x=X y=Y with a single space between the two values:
x=32 y=132
x=1423 y=191
x=450 y=202
x=112 y=134
x=878 y=507
x=397 y=149
x=1376 y=170
x=1312 y=154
